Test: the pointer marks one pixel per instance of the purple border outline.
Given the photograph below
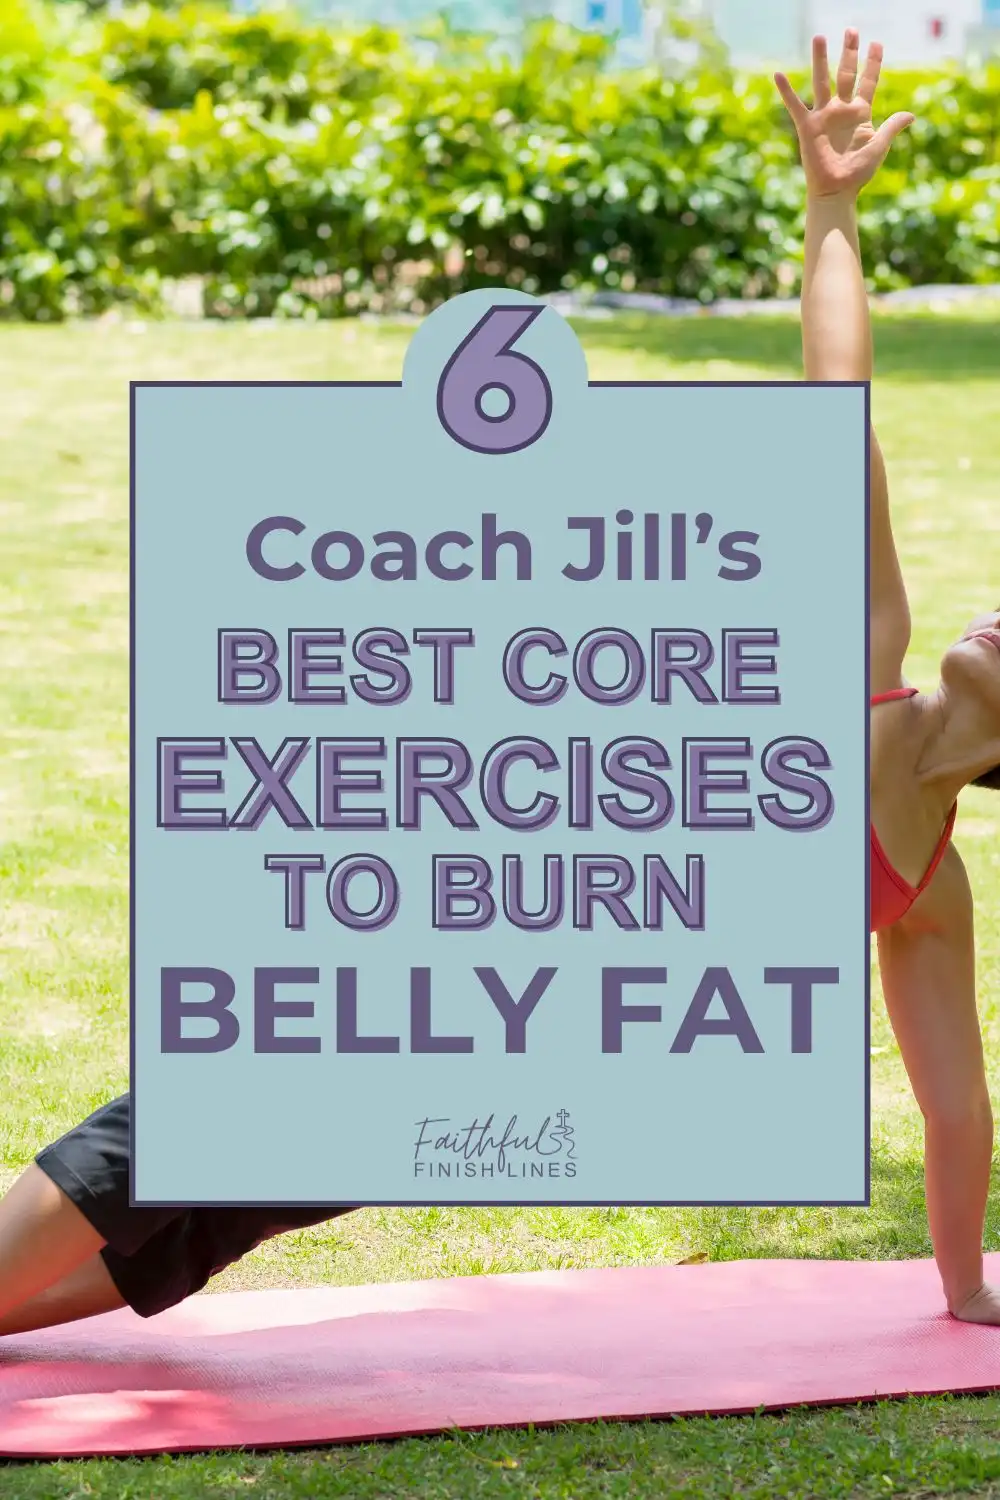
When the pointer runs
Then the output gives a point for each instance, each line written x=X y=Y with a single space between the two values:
x=865 y=1202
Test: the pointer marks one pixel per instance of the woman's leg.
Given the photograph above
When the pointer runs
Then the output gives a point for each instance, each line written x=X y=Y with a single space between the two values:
x=929 y=982
x=72 y=1246
x=50 y=1261
x=66 y=1225
x=83 y=1293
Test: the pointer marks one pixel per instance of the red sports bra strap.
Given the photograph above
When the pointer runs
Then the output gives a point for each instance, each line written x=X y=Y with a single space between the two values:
x=892 y=697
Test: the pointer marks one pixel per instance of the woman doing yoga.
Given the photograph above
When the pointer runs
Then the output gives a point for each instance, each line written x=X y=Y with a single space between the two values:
x=925 y=748
x=70 y=1244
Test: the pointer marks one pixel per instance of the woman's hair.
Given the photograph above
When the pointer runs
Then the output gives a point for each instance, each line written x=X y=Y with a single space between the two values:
x=990 y=779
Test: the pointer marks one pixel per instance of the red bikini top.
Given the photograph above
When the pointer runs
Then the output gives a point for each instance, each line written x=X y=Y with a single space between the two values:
x=891 y=895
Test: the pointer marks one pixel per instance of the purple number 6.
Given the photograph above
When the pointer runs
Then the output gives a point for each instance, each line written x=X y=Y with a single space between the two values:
x=483 y=362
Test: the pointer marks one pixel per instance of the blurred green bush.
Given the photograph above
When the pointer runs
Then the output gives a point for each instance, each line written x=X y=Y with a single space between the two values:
x=298 y=169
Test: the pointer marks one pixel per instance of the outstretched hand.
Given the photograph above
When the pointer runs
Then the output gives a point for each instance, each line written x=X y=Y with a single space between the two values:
x=841 y=149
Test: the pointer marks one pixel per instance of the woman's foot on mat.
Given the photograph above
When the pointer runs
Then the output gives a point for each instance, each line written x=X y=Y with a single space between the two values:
x=982 y=1307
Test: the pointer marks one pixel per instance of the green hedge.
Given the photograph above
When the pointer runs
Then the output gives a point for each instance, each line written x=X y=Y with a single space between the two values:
x=297 y=168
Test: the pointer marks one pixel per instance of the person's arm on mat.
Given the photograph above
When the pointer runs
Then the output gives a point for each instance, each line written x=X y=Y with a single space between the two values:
x=841 y=152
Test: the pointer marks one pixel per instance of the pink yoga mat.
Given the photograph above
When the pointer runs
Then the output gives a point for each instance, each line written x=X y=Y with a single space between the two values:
x=276 y=1369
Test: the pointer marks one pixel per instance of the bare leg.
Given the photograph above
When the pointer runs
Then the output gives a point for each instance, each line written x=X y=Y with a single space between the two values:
x=44 y=1239
x=84 y=1293
x=929 y=982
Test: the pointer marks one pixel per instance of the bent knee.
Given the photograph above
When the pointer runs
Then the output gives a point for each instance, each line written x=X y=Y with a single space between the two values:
x=970 y=1114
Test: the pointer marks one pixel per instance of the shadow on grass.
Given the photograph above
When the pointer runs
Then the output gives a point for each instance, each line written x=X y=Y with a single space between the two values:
x=913 y=348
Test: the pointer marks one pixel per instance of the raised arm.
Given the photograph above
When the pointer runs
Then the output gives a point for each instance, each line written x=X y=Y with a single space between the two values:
x=841 y=152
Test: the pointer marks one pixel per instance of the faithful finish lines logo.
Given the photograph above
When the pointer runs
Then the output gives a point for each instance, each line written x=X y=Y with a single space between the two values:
x=489 y=1149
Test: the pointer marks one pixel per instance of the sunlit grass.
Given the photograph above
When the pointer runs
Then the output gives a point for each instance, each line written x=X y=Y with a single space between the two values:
x=63 y=907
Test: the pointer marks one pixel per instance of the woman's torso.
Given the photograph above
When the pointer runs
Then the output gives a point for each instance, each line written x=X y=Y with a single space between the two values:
x=910 y=829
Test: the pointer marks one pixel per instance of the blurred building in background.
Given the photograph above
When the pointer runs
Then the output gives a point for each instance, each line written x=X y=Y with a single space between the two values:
x=916 y=33
x=757 y=33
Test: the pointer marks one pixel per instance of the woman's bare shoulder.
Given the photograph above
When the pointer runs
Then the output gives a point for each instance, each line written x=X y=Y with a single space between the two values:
x=900 y=730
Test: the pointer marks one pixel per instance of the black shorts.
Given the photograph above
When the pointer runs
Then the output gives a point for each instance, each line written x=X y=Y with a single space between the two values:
x=156 y=1256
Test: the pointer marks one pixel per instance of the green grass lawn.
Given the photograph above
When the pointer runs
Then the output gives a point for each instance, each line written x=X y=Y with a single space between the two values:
x=64 y=895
